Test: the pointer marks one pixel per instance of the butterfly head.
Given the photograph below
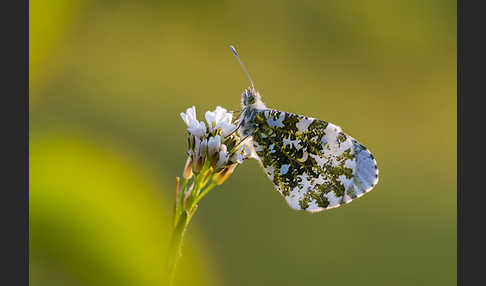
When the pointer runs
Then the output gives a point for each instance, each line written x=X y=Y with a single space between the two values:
x=251 y=99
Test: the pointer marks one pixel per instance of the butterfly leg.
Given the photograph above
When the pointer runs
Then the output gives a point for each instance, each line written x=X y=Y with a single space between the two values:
x=242 y=140
x=236 y=111
x=236 y=129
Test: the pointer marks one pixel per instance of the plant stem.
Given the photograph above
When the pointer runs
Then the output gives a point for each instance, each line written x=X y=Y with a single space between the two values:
x=183 y=214
x=176 y=245
x=179 y=202
x=204 y=192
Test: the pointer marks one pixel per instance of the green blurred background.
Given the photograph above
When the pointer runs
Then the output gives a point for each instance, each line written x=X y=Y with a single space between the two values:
x=109 y=78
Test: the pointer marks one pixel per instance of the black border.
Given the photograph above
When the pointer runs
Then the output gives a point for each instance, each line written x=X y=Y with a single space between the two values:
x=14 y=116
x=471 y=47
x=470 y=76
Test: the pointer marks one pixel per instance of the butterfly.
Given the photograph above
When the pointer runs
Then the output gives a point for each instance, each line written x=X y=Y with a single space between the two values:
x=312 y=163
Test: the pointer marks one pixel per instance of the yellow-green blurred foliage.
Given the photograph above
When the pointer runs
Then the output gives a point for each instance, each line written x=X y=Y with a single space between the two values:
x=109 y=78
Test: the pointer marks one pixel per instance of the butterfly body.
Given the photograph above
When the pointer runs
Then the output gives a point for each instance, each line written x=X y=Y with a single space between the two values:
x=312 y=163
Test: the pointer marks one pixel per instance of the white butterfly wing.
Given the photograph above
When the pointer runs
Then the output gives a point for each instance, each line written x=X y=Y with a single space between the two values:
x=312 y=163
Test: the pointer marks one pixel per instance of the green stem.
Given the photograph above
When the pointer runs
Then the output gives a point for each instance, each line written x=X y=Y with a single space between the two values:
x=179 y=202
x=204 y=192
x=183 y=215
x=176 y=246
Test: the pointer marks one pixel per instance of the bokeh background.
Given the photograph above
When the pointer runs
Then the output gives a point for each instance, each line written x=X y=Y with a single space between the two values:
x=109 y=78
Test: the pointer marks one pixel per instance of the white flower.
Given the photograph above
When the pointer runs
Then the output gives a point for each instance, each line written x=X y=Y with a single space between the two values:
x=227 y=129
x=198 y=131
x=199 y=149
x=194 y=127
x=213 y=145
x=210 y=141
x=223 y=157
x=195 y=153
x=199 y=154
x=216 y=117
x=190 y=117
x=220 y=118
x=202 y=148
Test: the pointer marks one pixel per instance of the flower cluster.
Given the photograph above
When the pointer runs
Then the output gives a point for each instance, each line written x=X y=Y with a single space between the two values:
x=213 y=143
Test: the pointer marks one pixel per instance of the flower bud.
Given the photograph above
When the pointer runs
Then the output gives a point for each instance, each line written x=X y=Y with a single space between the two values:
x=223 y=157
x=213 y=147
x=188 y=168
x=190 y=142
x=199 y=157
x=224 y=174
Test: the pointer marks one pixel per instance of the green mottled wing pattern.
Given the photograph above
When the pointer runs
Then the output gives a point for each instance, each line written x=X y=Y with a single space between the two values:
x=312 y=163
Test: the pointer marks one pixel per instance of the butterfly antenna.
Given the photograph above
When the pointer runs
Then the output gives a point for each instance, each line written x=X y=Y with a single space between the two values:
x=242 y=65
